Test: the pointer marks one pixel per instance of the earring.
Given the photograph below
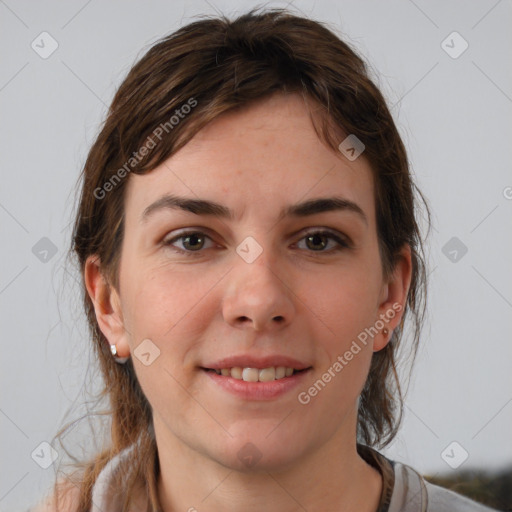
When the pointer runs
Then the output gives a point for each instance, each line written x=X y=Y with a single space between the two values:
x=119 y=360
x=385 y=331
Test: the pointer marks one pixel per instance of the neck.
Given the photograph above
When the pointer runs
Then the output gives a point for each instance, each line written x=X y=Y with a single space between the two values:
x=332 y=477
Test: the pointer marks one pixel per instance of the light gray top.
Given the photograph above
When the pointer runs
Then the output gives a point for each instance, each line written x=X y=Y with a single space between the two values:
x=403 y=490
x=412 y=493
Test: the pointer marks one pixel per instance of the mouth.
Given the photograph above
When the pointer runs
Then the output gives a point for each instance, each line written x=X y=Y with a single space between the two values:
x=258 y=382
x=249 y=374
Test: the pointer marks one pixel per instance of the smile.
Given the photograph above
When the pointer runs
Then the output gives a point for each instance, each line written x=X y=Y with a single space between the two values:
x=249 y=383
x=256 y=374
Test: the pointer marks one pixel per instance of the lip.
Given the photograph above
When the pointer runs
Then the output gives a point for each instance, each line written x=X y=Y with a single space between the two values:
x=257 y=391
x=251 y=361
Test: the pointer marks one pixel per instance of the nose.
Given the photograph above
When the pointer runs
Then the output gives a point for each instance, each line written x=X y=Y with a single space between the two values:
x=258 y=296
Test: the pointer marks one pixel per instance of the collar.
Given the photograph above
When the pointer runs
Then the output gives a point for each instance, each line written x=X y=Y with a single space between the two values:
x=105 y=497
x=386 y=468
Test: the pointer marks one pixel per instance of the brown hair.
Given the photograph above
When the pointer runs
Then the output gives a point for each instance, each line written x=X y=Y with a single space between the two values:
x=216 y=65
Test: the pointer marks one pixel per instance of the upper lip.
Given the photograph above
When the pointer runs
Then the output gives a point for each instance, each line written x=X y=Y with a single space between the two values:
x=252 y=361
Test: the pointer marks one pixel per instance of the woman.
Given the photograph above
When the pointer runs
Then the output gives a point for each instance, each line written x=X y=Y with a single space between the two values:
x=247 y=238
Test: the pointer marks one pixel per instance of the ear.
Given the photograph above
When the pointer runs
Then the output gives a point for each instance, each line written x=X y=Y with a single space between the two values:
x=393 y=297
x=107 y=306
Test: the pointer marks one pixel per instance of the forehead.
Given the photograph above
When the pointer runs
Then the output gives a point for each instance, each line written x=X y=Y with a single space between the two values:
x=257 y=160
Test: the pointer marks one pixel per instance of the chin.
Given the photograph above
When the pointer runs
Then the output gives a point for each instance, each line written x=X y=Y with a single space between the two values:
x=259 y=453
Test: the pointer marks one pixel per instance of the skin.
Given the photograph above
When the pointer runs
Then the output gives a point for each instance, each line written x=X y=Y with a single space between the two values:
x=295 y=299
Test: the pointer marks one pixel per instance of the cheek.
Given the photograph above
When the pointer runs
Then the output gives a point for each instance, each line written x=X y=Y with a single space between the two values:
x=347 y=304
x=162 y=306
x=162 y=302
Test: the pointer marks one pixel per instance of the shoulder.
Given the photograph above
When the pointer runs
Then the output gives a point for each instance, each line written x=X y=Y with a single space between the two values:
x=66 y=499
x=412 y=493
x=441 y=500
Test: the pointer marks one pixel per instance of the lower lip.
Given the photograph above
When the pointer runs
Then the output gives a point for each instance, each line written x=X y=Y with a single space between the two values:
x=258 y=390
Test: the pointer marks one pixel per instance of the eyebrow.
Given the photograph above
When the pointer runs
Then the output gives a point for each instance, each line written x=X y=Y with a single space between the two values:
x=211 y=208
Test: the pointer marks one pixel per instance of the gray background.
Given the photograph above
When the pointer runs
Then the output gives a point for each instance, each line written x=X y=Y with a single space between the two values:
x=455 y=118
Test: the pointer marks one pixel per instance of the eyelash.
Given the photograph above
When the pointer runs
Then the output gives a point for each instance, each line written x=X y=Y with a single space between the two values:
x=342 y=243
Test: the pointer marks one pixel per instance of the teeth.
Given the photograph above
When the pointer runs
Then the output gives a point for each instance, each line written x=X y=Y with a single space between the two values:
x=255 y=374
x=236 y=372
x=250 y=374
x=280 y=372
x=267 y=374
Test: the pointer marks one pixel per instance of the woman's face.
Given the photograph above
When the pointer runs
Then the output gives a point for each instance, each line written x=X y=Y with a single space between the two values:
x=253 y=288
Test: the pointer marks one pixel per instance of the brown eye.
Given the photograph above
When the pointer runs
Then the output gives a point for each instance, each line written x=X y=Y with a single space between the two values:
x=194 y=241
x=317 y=241
x=191 y=241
